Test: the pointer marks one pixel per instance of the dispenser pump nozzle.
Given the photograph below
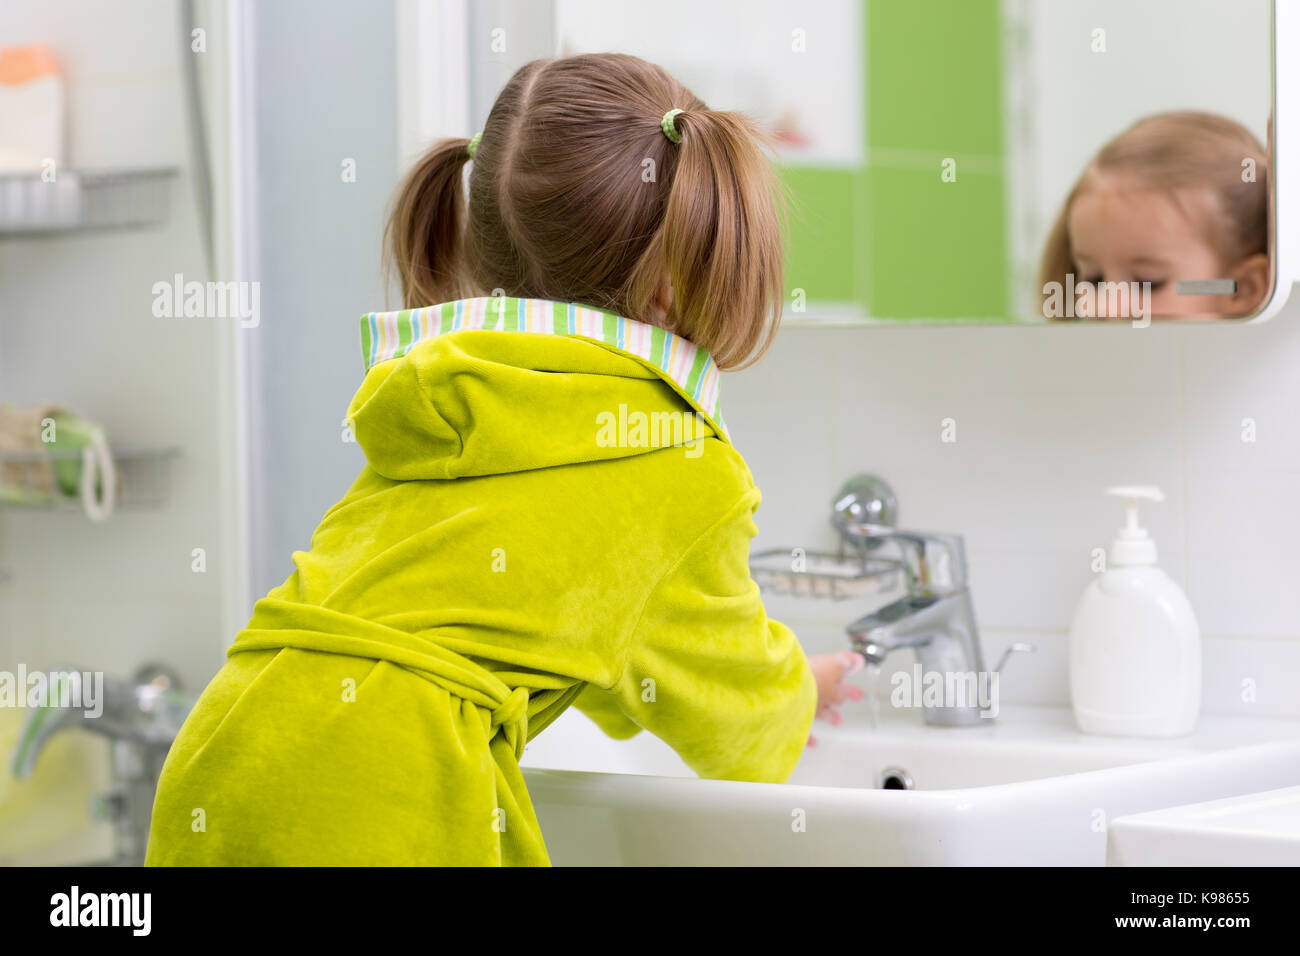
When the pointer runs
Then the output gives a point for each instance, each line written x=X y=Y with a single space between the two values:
x=1133 y=546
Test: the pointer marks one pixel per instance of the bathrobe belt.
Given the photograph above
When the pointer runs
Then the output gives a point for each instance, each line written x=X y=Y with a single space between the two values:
x=276 y=624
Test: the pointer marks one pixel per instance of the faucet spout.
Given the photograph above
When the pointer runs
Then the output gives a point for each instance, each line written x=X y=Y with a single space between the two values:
x=936 y=618
x=941 y=629
x=140 y=717
x=911 y=621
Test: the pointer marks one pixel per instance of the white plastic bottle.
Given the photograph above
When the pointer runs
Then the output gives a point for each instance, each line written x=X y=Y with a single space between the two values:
x=1135 y=647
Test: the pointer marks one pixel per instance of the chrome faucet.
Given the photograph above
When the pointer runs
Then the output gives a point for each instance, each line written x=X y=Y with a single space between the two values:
x=935 y=618
x=140 y=717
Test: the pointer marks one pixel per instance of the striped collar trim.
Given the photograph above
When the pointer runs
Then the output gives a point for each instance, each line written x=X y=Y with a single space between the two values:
x=689 y=369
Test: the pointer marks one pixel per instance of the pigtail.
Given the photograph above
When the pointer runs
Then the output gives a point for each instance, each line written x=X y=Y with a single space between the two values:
x=424 y=237
x=722 y=239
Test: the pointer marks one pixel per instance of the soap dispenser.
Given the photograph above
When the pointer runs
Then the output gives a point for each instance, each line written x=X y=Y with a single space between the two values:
x=1135 y=648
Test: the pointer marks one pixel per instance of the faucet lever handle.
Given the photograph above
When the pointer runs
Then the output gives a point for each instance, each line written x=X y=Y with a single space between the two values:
x=1018 y=647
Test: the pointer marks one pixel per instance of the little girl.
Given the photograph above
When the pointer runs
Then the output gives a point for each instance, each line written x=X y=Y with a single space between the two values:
x=1176 y=196
x=500 y=557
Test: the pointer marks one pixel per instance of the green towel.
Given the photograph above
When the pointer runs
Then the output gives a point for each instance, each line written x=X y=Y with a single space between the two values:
x=49 y=429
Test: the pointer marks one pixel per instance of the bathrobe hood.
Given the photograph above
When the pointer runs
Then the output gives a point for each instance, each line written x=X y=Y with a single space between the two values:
x=583 y=385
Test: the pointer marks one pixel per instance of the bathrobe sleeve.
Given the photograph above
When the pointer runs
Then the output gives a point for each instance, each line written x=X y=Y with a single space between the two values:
x=602 y=707
x=709 y=673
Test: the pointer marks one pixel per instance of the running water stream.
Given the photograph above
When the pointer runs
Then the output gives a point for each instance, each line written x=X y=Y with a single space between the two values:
x=873 y=695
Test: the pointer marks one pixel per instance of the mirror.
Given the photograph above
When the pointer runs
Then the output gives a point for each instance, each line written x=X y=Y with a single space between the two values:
x=977 y=161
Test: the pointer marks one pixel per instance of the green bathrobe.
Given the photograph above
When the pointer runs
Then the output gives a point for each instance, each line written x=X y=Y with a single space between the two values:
x=551 y=513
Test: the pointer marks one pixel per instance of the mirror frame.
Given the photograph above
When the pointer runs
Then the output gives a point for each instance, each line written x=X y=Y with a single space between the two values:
x=1286 y=154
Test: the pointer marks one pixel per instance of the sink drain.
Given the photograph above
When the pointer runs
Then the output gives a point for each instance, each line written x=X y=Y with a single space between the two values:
x=895 y=778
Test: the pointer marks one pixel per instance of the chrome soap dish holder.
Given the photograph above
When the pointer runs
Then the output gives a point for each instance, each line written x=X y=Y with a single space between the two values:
x=865 y=514
x=821 y=574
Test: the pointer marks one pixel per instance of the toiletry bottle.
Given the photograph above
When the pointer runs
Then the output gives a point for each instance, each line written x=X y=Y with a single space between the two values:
x=1135 y=648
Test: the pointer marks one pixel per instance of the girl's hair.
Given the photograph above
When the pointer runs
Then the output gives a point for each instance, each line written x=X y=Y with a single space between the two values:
x=576 y=194
x=1173 y=151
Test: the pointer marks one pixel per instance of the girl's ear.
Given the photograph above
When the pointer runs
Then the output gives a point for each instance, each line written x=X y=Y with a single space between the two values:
x=662 y=301
x=1252 y=285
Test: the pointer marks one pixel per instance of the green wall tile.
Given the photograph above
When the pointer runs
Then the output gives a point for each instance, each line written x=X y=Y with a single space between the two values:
x=821 y=254
x=934 y=75
x=938 y=247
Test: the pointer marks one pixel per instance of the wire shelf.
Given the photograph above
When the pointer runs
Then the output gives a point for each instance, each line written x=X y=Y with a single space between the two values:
x=80 y=200
x=822 y=575
x=27 y=478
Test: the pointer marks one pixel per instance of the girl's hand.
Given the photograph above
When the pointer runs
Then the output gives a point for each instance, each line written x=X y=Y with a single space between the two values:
x=830 y=671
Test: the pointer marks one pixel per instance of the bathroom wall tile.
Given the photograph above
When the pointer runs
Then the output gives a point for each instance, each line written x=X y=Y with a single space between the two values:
x=778 y=416
x=1236 y=516
x=1026 y=587
x=1074 y=358
x=153 y=632
x=1239 y=373
x=1242 y=530
x=1025 y=361
x=937 y=249
x=955 y=74
x=138 y=122
x=900 y=362
x=1251 y=678
x=823 y=233
x=78 y=33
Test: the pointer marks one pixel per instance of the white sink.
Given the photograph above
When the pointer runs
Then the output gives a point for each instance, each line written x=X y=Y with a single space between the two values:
x=1260 y=829
x=1028 y=789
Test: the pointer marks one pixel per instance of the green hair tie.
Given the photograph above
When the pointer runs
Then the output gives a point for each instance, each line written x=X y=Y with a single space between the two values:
x=472 y=148
x=670 y=127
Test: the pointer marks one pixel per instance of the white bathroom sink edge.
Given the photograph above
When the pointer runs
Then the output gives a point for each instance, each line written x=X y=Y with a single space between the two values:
x=642 y=818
